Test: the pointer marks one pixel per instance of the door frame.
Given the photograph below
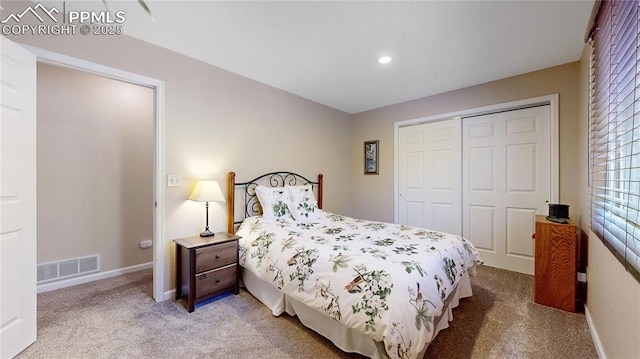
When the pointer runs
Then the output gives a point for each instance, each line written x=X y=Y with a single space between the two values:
x=53 y=58
x=551 y=100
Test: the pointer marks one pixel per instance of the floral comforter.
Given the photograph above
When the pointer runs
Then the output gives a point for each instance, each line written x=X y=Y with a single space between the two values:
x=386 y=280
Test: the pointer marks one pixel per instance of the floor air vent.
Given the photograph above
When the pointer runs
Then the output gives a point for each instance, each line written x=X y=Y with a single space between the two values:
x=68 y=268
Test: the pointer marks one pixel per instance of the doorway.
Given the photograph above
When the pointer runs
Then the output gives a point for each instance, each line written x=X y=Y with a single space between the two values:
x=95 y=156
x=159 y=256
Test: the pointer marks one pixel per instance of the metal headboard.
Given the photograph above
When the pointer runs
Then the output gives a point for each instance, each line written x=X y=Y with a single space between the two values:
x=250 y=204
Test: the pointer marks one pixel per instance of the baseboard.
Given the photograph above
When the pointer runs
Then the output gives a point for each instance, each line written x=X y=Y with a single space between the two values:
x=170 y=294
x=46 y=287
x=594 y=334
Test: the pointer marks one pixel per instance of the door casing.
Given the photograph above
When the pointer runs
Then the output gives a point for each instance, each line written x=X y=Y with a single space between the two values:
x=159 y=260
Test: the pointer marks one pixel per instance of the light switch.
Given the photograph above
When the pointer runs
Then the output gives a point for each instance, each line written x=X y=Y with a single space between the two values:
x=174 y=180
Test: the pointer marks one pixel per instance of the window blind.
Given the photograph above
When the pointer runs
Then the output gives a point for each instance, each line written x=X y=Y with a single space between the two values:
x=614 y=146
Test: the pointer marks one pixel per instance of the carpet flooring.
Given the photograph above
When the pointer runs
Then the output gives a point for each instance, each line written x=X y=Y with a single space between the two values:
x=117 y=318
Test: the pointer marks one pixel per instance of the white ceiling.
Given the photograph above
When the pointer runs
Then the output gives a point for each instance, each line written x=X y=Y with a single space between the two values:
x=327 y=51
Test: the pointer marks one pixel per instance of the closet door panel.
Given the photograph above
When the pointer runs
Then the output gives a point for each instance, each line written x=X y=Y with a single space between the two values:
x=429 y=176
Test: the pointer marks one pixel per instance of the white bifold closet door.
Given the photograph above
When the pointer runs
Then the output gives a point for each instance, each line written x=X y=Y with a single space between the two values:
x=430 y=192
x=484 y=177
x=507 y=180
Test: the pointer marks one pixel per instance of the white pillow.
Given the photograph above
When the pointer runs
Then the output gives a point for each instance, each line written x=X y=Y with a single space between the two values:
x=303 y=205
x=274 y=202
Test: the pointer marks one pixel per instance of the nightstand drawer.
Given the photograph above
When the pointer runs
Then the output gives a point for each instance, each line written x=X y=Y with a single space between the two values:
x=217 y=280
x=219 y=255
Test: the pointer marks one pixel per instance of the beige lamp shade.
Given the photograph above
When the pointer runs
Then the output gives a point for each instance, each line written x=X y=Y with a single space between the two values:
x=207 y=191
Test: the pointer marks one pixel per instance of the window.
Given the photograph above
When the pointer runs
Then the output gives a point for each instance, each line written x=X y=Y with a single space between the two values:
x=615 y=131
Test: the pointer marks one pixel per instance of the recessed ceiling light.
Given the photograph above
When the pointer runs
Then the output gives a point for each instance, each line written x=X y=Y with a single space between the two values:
x=384 y=60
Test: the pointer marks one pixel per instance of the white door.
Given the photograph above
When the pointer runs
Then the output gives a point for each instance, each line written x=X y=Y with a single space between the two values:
x=429 y=177
x=17 y=199
x=507 y=179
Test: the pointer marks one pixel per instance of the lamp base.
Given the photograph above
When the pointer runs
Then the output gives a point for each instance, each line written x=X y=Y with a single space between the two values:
x=207 y=233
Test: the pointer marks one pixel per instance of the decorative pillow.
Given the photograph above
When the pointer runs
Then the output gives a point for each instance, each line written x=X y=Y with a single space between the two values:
x=303 y=206
x=274 y=202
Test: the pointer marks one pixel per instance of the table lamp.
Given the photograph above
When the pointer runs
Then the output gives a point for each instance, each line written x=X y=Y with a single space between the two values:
x=207 y=191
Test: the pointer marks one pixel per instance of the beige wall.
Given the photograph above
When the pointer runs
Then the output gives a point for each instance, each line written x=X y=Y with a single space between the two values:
x=613 y=296
x=215 y=122
x=95 y=168
x=373 y=195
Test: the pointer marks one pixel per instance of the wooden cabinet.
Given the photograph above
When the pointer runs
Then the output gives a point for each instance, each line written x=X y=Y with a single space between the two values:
x=556 y=264
x=206 y=267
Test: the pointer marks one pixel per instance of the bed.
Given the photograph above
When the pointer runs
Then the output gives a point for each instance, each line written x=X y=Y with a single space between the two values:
x=378 y=289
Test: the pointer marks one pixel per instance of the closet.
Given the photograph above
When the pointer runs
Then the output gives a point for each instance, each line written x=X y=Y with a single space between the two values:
x=484 y=177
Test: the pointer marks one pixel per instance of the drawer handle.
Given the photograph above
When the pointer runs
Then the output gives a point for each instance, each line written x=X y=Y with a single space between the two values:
x=217 y=256
x=217 y=280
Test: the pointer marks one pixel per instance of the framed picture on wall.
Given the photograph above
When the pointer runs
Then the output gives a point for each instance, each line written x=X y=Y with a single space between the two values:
x=371 y=157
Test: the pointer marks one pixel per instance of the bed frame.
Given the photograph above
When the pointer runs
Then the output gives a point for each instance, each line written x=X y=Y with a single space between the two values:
x=250 y=204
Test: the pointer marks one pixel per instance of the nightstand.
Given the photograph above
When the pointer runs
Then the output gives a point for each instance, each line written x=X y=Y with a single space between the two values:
x=206 y=267
x=556 y=264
